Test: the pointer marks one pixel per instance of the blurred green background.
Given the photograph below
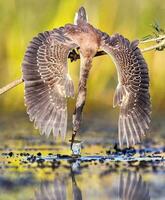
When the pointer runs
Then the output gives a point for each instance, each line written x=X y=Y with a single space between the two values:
x=20 y=20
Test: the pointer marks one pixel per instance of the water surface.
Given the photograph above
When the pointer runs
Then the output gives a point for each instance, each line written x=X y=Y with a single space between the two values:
x=32 y=167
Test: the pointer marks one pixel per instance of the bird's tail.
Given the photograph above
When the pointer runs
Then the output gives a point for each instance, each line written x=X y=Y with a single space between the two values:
x=80 y=16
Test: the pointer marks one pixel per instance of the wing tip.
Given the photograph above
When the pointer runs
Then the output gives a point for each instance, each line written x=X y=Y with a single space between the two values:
x=131 y=131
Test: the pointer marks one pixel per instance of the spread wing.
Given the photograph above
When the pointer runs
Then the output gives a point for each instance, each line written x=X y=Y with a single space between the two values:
x=47 y=82
x=132 y=92
x=132 y=187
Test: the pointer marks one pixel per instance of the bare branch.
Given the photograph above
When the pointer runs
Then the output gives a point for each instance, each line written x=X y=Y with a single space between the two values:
x=153 y=39
x=73 y=55
x=157 y=46
x=11 y=85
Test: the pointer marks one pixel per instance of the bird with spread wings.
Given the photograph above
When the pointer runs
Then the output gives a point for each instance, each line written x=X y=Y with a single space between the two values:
x=48 y=83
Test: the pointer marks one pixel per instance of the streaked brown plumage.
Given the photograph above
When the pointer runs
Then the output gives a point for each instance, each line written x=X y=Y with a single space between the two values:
x=132 y=92
x=48 y=83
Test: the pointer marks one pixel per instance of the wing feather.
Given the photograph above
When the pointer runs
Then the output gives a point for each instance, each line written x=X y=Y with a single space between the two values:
x=132 y=92
x=47 y=82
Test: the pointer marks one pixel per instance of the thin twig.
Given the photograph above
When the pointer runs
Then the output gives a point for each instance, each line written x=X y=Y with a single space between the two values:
x=161 y=44
x=153 y=39
x=11 y=85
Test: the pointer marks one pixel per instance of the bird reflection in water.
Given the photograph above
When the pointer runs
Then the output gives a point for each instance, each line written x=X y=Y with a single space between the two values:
x=49 y=191
x=77 y=195
x=58 y=190
x=131 y=187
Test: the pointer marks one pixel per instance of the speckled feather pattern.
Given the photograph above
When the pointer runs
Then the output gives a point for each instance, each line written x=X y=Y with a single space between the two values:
x=47 y=82
x=132 y=93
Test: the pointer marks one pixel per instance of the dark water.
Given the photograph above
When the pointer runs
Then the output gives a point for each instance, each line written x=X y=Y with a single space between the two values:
x=32 y=167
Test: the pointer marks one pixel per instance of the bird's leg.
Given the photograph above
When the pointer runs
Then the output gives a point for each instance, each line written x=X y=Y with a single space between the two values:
x=82 y=90
x=77 y=115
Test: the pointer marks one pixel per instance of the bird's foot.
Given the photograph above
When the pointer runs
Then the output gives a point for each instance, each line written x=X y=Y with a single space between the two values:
x=73 y=55
x=75 y=145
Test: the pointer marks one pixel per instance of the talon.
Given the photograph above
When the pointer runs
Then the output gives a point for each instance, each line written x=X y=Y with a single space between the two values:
x=73 y=55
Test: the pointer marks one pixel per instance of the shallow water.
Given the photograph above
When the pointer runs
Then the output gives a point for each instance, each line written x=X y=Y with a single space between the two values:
x=32 y=167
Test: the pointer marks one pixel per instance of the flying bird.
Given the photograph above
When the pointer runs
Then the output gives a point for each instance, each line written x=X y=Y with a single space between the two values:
x=48 y=83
